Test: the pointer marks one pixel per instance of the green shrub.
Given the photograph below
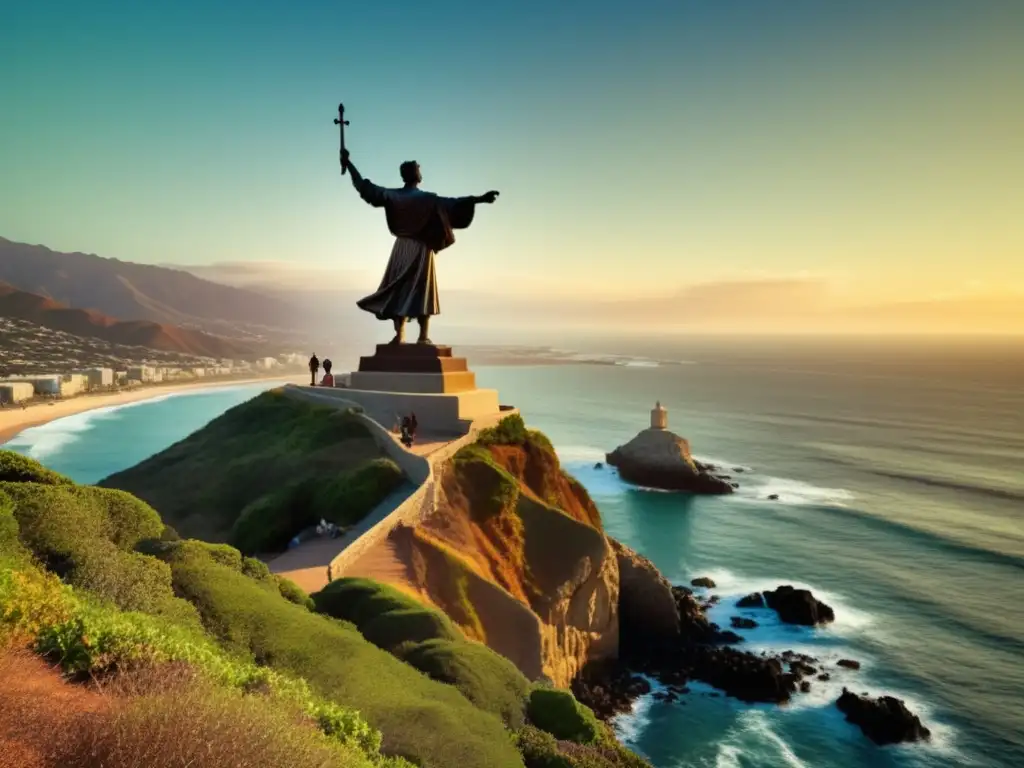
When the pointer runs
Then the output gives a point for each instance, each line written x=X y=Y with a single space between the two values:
x=131 y=581
x=360 y=600
x=293 y=593
x=203 y=726
x=10 y=547
x=54 y=523
x=488 y=679
x=490 y=489
x=257 y=570
x=539 y=749
x=511 y=430
x=350 y=496
x=390 y=629
x=558 y=713
x=542 y=750
x=269 y=522
x=15 y=468
x=130 y=519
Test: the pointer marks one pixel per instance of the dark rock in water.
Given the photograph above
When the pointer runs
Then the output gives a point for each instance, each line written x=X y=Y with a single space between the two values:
x=802 y=668
x=825 y=677
x=754 y=600
x=741 y=622
x=737 y=469
x=799 y=606
x=805 y=687
x=885 y=720
x=773 y=497
x=735 y=485
x=599 y=465
x=609 y=688
x=657 y=458
x=703 y=581
x=848 y=664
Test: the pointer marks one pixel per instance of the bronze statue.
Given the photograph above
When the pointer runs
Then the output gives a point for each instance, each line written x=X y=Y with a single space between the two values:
x=422 y=222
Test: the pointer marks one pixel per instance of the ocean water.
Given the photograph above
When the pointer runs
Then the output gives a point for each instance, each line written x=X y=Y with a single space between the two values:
x=91 y=445
x=898 y=468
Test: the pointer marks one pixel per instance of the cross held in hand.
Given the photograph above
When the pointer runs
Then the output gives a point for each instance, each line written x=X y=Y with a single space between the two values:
x=341 y=122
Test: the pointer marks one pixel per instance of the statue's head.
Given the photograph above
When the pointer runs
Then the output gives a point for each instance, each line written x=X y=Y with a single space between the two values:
x=410 y=171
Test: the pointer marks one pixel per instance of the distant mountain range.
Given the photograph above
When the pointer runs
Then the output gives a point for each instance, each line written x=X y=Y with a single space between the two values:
x=130 y=291
x=93 y=324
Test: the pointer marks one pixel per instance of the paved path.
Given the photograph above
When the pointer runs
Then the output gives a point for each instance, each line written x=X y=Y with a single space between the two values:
x=307 y=564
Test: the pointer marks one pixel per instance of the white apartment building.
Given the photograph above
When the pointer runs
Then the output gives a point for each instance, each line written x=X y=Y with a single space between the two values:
x=100 y=378
x=16 y=391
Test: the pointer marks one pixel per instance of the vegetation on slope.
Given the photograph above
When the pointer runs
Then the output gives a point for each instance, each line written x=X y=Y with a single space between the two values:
x=263 y=471
x=246 y=636
x=553 y=729
x=91 y=578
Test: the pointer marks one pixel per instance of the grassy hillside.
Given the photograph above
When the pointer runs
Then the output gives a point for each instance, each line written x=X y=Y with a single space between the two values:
x=90 y=580
x=552 y=729
x=262 y=471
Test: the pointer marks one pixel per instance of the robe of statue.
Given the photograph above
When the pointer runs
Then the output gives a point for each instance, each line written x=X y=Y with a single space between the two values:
x=422 y=224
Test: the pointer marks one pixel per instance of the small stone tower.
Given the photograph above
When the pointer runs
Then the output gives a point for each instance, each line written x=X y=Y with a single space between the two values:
x=659 y=417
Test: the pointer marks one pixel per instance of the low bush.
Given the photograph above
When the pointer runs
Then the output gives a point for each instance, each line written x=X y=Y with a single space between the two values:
x=542 y=750
x=558 y=713
x=10 y=546
x=269 y=522
x=131 y=581
x=203 y=726
x=361 y=600
x=488 y=679
x=15 y=468
x=129 y=519
x=350 y=496
x=293 y=593
x=511 y=430
x=539 y=749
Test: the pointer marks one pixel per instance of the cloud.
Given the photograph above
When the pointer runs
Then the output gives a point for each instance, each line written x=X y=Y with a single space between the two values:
x=276 y=276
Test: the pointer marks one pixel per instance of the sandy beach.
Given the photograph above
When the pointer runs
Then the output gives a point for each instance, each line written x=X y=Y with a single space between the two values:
x=14 y=419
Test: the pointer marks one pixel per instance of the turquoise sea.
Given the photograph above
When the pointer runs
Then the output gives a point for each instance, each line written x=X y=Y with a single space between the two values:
x=899 y=469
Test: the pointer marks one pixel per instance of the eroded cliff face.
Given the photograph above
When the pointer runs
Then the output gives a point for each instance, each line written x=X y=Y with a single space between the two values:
x=515 y=554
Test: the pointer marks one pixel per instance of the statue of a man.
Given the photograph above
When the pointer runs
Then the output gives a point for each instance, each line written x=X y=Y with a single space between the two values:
x=422 y=224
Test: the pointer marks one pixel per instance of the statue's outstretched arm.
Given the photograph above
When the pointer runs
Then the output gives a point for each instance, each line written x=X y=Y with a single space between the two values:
x=370 y=192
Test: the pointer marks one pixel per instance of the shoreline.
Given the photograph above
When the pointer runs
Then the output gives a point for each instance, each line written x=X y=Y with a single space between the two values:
x=14 y=420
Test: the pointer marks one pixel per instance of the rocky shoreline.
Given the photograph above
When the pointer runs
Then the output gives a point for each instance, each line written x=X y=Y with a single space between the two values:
x=666 y=636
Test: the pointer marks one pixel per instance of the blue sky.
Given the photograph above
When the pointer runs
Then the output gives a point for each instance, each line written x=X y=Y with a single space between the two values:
x=639 y=147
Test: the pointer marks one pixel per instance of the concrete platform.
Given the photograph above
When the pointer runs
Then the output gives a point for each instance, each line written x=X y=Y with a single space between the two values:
x=422 y=383
x=449 y=413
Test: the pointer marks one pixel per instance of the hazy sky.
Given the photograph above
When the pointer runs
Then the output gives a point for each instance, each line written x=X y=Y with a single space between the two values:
x=645 y=146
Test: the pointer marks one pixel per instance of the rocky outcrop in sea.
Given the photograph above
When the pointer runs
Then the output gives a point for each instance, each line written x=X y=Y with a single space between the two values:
x=884 y=720
x=658 y=458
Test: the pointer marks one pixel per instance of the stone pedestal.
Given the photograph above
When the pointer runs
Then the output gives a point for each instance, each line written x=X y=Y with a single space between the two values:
x=424 y=379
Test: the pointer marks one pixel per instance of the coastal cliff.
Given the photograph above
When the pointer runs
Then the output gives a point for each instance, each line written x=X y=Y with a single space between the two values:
x=514 y=553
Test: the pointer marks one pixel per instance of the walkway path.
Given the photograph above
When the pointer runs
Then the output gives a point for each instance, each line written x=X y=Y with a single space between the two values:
x=307 y=564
